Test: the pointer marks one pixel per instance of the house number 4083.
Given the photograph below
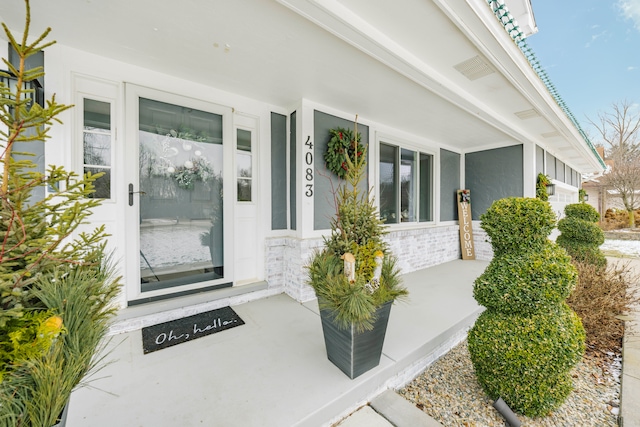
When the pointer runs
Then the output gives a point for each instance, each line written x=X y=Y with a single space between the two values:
x=308 y=173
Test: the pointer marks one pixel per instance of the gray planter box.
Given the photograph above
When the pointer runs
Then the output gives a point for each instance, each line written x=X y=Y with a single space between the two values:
x=352 y=351
x=63 y=417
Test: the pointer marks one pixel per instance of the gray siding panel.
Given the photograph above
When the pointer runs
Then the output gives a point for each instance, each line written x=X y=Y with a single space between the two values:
x=539 y=160
x=492 y=175
x=324 y=179
x=278 y=172
x=293 y=189
x=449 y=184
x=551 y=166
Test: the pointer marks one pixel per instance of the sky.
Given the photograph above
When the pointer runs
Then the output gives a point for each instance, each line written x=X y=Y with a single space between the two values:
x=590 y=50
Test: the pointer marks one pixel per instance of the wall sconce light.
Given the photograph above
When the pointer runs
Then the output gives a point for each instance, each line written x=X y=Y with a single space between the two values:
x=585 y=197
x=551 y=189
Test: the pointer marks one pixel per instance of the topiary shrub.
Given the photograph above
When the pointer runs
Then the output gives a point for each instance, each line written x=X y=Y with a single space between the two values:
x=526 y=360
x=517 y=223
x=516 y=285
x=580 y=234
x=582 y=211
x=525 y=344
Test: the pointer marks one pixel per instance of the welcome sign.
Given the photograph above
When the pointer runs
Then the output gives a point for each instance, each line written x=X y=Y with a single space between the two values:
x=464 y=219
x=168 y=334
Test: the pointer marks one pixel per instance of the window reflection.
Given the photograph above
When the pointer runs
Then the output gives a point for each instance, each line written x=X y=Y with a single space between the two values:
x=181 y=221
x=96 y=145
x=405 y=185
x=244 y=161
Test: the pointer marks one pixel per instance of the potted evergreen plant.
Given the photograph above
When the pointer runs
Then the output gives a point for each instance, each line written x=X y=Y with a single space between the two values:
x=354 y=276
x=56 y=285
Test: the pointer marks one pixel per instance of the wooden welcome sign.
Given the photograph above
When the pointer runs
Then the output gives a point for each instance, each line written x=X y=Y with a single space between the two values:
x=464 y=219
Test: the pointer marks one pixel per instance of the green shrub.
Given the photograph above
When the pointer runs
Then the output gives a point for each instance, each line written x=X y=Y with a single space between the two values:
x=527 y=341
x=580 y=235
x=517 y=223
x=516 y=284
x=579 y=230
x=580 y=252
x=582 y=211
x=526 y=360
x=27 y=337
x=34 y=393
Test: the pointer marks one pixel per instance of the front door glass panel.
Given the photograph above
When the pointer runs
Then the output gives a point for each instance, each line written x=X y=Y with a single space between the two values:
x=181 y=221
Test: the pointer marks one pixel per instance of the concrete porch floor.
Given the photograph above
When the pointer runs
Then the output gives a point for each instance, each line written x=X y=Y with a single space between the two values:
x=273 y=370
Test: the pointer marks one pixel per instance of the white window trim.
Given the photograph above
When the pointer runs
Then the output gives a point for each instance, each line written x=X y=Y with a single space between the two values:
x=385 y=138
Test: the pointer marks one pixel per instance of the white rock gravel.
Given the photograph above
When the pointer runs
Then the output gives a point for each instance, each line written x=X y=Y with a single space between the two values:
x=449 y=392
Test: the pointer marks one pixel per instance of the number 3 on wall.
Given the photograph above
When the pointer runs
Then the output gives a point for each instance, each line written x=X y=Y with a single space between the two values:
x=308 y=174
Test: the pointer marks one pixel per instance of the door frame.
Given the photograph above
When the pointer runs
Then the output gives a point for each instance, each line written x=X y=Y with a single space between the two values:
x=131 y=174
x=244 y=211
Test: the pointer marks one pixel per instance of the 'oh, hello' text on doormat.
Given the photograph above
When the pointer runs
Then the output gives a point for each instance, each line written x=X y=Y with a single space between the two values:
x=177 y=331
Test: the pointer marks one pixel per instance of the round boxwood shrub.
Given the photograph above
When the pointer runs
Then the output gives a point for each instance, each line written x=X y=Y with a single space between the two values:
x=527 y=360
x=580 y=235
x=513 y=283
x=582 y=211
x=579 y=230
x=526 y=342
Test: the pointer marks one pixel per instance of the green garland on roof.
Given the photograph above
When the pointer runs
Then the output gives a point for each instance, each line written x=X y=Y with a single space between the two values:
x=510 y=25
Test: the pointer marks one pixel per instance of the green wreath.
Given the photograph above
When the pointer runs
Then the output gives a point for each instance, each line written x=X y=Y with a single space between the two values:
x=341 y=144
x=192 y=171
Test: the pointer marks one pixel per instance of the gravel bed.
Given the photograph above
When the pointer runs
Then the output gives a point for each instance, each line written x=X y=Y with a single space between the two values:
x=449 y=392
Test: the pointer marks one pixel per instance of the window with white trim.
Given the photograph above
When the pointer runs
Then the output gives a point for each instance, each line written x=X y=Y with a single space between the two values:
x=405 y=185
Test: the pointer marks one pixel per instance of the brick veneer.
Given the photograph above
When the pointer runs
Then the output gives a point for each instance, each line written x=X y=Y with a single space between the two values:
x=286 y=257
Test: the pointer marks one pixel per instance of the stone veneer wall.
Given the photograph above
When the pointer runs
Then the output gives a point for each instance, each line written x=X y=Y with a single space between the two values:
x=426 y=247
x=481 y=244
x=416 y=249
x=286 y=258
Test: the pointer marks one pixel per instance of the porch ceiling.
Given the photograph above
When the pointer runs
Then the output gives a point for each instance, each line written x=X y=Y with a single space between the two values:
x=391 y=62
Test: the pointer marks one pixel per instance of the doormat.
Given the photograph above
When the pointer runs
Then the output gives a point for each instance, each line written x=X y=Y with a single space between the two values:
x=178 y=331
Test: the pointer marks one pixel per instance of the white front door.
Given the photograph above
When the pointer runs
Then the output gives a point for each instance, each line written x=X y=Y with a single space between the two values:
x=178 y=156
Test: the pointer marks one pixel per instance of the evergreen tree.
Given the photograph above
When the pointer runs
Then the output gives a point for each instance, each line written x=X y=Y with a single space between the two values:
x=56 y=285
x=356 y=229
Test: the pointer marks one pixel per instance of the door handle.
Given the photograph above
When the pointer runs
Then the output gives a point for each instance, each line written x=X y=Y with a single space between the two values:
x=131 y=193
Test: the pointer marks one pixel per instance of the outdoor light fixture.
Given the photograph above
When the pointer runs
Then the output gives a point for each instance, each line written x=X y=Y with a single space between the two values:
x=507 y=413
x=551 y=189
x=585 y=197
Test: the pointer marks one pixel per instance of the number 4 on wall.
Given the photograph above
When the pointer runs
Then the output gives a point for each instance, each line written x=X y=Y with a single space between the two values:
x=308 y=159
